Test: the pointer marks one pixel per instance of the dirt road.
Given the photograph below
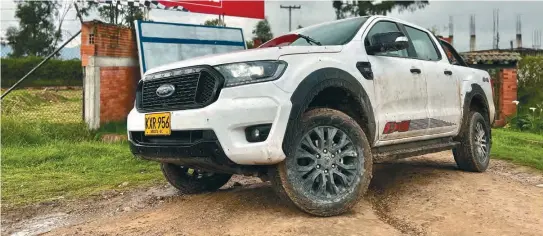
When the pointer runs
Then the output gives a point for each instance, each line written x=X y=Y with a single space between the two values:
x=419 y=196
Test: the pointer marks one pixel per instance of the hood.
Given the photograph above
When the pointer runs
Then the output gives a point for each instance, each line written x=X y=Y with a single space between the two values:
x=256 y=54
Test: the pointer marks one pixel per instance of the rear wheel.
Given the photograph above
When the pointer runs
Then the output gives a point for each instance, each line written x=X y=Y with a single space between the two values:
x=329 y=166
x=190 y=181
x=473 y=154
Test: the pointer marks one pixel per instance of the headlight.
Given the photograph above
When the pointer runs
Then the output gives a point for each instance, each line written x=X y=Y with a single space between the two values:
x=251 y=72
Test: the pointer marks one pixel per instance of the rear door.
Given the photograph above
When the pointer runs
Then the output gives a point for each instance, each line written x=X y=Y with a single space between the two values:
x=443 y=84
x=400 y=89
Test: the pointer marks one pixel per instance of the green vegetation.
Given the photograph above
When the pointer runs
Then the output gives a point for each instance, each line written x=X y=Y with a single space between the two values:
x=111 y=128
x=345 y=9
x=63 y=106
x=530 y=82
x=53 y=73
x=45 y=159
x=527 y=122
x=36 y=34
x=521 y=148
x=529 y=115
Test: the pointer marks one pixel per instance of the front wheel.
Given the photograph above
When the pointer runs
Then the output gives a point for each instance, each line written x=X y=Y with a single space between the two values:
x=473 y=154
x=190 y=181
x=329 y=166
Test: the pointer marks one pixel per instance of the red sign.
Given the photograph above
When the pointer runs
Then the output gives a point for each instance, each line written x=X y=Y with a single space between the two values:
x=249 y=9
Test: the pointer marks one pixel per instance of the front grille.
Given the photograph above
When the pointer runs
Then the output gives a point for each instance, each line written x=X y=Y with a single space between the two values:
x=206 y=88
x=196 y=89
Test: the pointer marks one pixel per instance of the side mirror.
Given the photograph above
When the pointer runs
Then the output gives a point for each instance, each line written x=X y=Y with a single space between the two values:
x=387 y=42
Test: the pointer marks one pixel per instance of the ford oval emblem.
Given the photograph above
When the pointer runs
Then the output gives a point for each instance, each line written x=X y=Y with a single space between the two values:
x=165 y=90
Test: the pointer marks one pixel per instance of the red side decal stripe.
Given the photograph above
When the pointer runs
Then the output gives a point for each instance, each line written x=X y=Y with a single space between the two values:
x=391 y=127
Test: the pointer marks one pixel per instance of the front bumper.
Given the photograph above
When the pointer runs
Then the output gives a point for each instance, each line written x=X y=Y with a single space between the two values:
x=206 y=155
x=236 y=108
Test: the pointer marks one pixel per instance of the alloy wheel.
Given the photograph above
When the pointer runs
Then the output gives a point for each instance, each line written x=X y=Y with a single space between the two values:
x=481 y=143
x=327 y=162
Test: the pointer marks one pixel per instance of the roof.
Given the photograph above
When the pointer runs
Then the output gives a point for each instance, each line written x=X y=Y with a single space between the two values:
x=520 y=50
x=491 y=57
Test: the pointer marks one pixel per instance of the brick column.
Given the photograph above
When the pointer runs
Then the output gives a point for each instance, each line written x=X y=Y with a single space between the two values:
x=110 y=58
x=508 y=94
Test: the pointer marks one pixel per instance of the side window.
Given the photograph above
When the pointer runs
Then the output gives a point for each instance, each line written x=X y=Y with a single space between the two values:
x=452 y=55
x=385 y=27
x=423 y=44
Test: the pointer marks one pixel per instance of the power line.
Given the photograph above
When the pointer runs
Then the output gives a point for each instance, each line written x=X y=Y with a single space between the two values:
x=290 y=14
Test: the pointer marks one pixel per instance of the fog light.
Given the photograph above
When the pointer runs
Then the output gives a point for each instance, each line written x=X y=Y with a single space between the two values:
x=257 y=133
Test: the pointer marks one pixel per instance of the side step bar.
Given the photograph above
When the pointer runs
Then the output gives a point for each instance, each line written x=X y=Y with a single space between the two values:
x=404 y=150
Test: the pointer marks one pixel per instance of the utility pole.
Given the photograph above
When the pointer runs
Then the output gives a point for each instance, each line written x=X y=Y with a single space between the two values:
x=290 y=14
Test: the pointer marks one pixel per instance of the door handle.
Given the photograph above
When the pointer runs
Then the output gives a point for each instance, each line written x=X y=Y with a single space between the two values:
x=447 y=72
x=415 y=71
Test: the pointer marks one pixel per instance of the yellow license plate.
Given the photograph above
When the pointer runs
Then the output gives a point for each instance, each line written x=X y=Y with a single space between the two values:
x=158 y=124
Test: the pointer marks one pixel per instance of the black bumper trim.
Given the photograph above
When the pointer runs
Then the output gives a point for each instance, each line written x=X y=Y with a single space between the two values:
x=207 y=156
x=191 y=153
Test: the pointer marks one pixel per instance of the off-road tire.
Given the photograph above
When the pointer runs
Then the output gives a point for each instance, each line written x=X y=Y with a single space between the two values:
x=466 y=154
x=284 y=175
x=191 y=182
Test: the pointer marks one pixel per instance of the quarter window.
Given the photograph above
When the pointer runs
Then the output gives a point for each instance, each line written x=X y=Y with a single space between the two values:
x=452 y=55
x=385 y=27
x=423 y=44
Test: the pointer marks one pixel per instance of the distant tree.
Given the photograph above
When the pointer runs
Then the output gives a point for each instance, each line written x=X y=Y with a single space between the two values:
x=338 y=7
x=250 y=44
x=262 y=31
x=118 y=14
x=434 y=30
x=66 y=6
x=299 y=26
x=85 y=7
x=111 y=13
x=36 y=34
x=364 y=8
x=215 y=22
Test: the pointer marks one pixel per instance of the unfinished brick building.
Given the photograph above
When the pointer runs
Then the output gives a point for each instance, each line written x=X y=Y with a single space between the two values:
x=109 y=57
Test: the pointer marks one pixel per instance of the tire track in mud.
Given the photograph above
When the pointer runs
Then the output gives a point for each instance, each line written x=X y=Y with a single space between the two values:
x=382 y=210
x=381 y=195
x=427 y=194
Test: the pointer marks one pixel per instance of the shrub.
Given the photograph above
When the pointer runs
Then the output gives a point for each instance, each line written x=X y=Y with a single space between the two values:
x=527 y=122
x=53 y=73
x=530 y=82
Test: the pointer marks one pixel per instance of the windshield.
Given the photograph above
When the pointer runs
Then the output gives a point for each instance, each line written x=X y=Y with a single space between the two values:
x=334 y=33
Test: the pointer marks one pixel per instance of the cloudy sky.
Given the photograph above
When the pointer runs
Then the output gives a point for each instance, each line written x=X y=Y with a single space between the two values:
x=436 y=14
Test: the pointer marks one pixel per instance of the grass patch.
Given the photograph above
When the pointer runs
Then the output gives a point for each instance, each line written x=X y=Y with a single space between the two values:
x=62 y=106
x=17 y=132
x=111 y=128
x=70 y=169
x=518 y=147
x=44 y=158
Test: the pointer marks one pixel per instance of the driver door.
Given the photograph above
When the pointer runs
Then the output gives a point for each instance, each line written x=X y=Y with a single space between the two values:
x=401 y=107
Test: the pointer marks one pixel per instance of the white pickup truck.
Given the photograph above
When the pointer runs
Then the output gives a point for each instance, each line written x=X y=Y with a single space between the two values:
x=313 y=110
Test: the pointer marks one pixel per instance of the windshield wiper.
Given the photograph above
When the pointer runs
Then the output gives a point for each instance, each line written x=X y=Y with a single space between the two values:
x=309 y=39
